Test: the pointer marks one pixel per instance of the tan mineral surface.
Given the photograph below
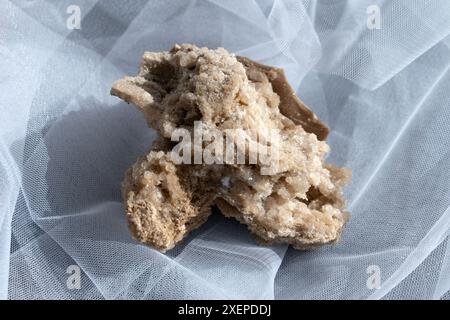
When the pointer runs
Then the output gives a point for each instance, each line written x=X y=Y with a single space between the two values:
x=286 y=193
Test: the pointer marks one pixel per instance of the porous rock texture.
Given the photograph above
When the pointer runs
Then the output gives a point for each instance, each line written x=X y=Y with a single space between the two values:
x=295 y=198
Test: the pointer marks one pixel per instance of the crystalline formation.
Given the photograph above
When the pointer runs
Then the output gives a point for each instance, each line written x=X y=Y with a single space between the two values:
x=299 y=201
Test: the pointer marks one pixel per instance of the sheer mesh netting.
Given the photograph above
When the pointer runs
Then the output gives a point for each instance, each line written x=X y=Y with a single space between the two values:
x=377 y=72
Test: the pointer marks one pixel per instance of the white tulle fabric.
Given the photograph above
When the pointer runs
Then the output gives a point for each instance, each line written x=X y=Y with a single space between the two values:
x=65 y=144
